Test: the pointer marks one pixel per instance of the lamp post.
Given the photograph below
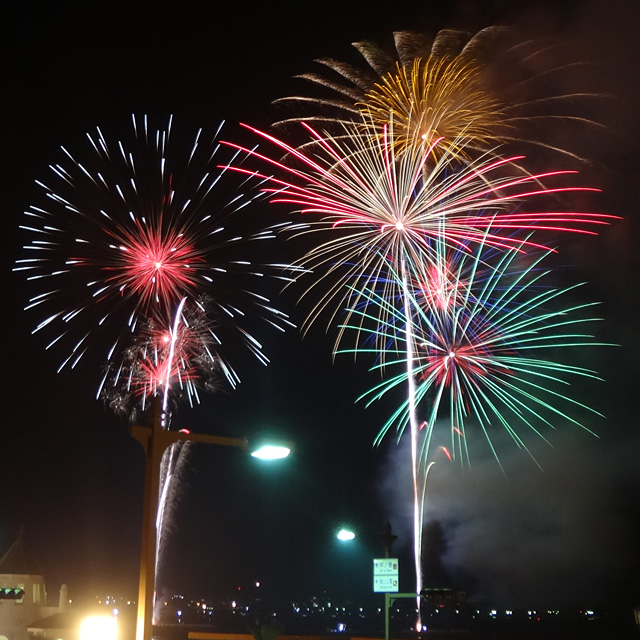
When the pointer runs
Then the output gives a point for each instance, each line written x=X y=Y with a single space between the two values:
x=155 y=440
x=387 y=537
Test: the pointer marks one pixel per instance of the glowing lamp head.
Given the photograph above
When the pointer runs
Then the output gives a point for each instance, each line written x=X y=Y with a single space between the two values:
x=271 y=452
x=345 y=535
x=269 y=447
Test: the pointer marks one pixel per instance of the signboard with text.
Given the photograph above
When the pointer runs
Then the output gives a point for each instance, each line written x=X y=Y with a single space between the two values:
x=385 y=575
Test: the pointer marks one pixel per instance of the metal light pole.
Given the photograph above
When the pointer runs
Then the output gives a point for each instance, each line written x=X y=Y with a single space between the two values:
x=155 y=440
x=388 y=538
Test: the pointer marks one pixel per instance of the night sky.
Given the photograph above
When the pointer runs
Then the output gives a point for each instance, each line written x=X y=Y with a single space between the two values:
x=73 y=477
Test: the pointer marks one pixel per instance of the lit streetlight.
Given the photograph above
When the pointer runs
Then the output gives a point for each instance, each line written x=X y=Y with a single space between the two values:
x=387 y=537
x=155 y=440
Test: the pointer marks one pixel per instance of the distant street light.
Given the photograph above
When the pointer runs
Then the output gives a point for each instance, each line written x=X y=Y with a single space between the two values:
x=387 y=537
x=155 y=440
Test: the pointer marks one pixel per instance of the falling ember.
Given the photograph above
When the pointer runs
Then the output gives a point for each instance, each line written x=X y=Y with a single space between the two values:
x=447 y=453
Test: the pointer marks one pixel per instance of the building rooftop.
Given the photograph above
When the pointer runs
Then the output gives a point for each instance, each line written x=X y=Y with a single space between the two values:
x=19 y=560
x=65 y=620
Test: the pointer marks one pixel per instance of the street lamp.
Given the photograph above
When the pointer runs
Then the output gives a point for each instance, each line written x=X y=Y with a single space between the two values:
x=155 y=440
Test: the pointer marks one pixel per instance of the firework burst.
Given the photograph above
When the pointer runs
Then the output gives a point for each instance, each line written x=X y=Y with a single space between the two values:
x=124 y=234
x=485 y=351
x=353 y=82
x=437 y=99
x=171 y=358
x=494 y=90
x=375 y=208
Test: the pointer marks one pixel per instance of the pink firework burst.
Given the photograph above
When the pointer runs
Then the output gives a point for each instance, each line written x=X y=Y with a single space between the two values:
x=449 y=359
x=171 y=357
x=156 y=265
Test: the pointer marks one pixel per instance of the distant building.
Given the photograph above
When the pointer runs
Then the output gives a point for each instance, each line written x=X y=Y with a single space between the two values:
x=29 y=616
x=442 y=596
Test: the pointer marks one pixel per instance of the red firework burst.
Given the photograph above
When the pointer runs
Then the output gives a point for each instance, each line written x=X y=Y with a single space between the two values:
x=140 y=223
x=172 y=357
x=156 y=265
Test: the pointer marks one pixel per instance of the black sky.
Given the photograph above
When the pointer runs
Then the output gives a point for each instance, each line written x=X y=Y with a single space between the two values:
x=73 y=477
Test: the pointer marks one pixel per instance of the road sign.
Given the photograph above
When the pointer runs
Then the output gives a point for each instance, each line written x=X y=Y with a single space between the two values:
x=385 y=575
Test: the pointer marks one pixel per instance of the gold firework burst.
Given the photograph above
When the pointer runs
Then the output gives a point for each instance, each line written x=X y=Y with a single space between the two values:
x=506 y=92
x=437 y=98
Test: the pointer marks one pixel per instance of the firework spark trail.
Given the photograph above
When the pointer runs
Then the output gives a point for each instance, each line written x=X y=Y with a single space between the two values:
x=411 y=399
x=170 y=359
x=174 y=463
x=168 y=468
x=127 y=232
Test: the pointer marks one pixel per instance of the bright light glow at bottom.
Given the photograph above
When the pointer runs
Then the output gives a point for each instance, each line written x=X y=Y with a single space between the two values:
x=271 y=452
x=99 y=628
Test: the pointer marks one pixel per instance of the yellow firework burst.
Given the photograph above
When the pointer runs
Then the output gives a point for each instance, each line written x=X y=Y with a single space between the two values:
x=506 y=92
x=437 y=98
